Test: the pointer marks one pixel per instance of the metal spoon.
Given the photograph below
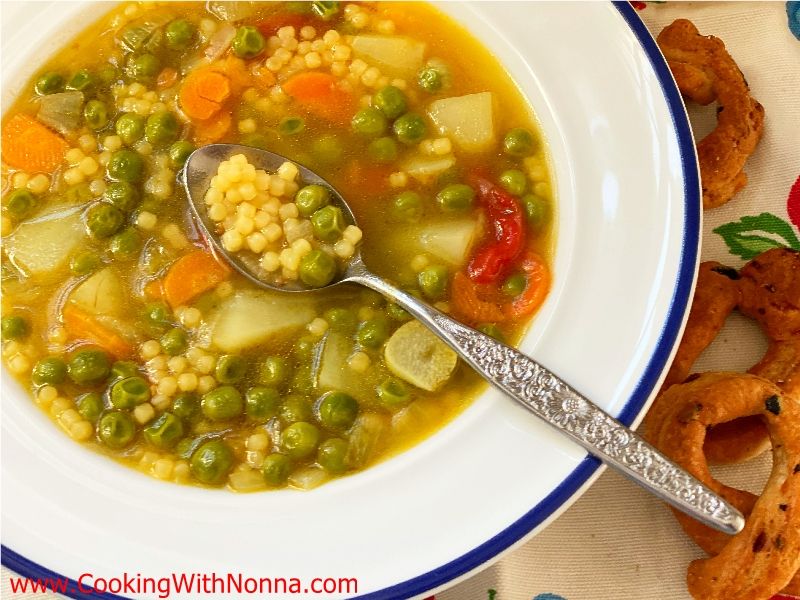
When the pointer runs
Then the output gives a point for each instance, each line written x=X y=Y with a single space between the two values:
x=540 y=391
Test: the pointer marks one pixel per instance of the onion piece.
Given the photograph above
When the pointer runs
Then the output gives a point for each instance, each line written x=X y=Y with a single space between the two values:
x=61 y=111
x=217 y=45
x=230 y=11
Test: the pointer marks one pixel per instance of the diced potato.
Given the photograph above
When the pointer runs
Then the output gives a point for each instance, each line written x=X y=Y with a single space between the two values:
x=307 y=478
x=333 y=372
x=250 y=318
x=467 y=120
x=450 y=241
x=395 y=56
x=43 y=246
x=364 y=438
x=101 y=294
x=425 y=168
x=417 y=356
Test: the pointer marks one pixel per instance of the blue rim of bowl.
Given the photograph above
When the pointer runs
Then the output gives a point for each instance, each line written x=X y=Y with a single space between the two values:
x=568 y=488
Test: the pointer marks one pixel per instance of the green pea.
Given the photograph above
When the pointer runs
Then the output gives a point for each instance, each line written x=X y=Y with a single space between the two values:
x=303 y=380
x=129 y=392
x=382 y=150
x=262 y=403
x=122 y=369
x=96 y=114
x=89 y=366
x=164 y=432
x=211 y=462
x=180 y=34
x=14 y=327
x=340 y=319
x=299 y=439
x=186 y=405
x=108 y=74
x=222 y=403
x=514 y=181
x=49 y=83
x=82 y=81
x=430 y=79
x=116 y=429
x=158 y=315
x=536 y=209
x=256 y=140
x=304 y=348
x=518 y=142
x=455 y=197
x=291 y=126
x=295 y=408
x=397 y=313
x=393 y=393
x=51 y=370
x=130 y=128
x=84 y=263
x=410 y=128
x=179 y=153
x=248 y=42
x=433 y=282
x=492 y=330
x=514 y=285
x=276 y=469
x=407 y=207
x=331 y=455
x=311 y=198
x=369 y=121
x=103 y=220
x=125 y=165
x=328 y=149
x=391 y=101
x=373 y=332
x=174 y=341
x=337 y=410
x=125 y=244
x=161 y=128
x=90 y=405
x=20 y=203
x=143 y=67
x=274 y=371
x=328 y=223
x=317 y=268
x=230 y=368
x=325 y=9
x=121 y=194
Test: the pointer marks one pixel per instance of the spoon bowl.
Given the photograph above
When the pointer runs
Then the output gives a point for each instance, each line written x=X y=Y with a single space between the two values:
x=526 y=381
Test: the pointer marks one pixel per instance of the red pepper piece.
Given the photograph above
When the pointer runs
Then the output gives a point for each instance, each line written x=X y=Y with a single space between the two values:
x=506 y=223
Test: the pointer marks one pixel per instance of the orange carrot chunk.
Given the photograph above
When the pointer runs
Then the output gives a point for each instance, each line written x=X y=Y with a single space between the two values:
x=203 y=93
x=29 y=145
x=319 y=94
x=191 y=275
x=83 y=326
x=213 y=129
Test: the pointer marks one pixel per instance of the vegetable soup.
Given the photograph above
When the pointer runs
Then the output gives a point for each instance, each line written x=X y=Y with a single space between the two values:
x=140 y=343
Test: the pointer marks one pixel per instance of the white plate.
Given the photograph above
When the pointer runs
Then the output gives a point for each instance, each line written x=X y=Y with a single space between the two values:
x=628 y=237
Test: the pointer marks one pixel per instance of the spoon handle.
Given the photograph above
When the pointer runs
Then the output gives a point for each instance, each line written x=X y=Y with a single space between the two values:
x=550 y=398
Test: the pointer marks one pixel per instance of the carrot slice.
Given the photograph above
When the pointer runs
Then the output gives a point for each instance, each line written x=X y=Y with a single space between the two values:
x=166 y=78
x=213 y=129
x=83 y=326
x=29 y=145
x=154 y=289
x=191 y=275
x=474 y=302
x=320 y=95
x=203 y=92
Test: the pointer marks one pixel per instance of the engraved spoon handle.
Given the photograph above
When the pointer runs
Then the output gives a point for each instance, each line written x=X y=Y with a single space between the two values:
x=551 y=399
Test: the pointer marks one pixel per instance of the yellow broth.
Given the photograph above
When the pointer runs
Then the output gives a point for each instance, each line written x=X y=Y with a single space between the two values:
x=177 y=332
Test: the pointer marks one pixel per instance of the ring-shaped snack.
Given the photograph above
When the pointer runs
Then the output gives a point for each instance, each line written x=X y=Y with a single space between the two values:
x=764 y=557
x=705 y=72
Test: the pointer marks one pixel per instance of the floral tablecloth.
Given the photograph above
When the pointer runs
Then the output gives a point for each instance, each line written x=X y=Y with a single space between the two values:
x=617 y=542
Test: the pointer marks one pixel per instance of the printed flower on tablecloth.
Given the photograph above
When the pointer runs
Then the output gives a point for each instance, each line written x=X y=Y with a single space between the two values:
x=751 y=235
